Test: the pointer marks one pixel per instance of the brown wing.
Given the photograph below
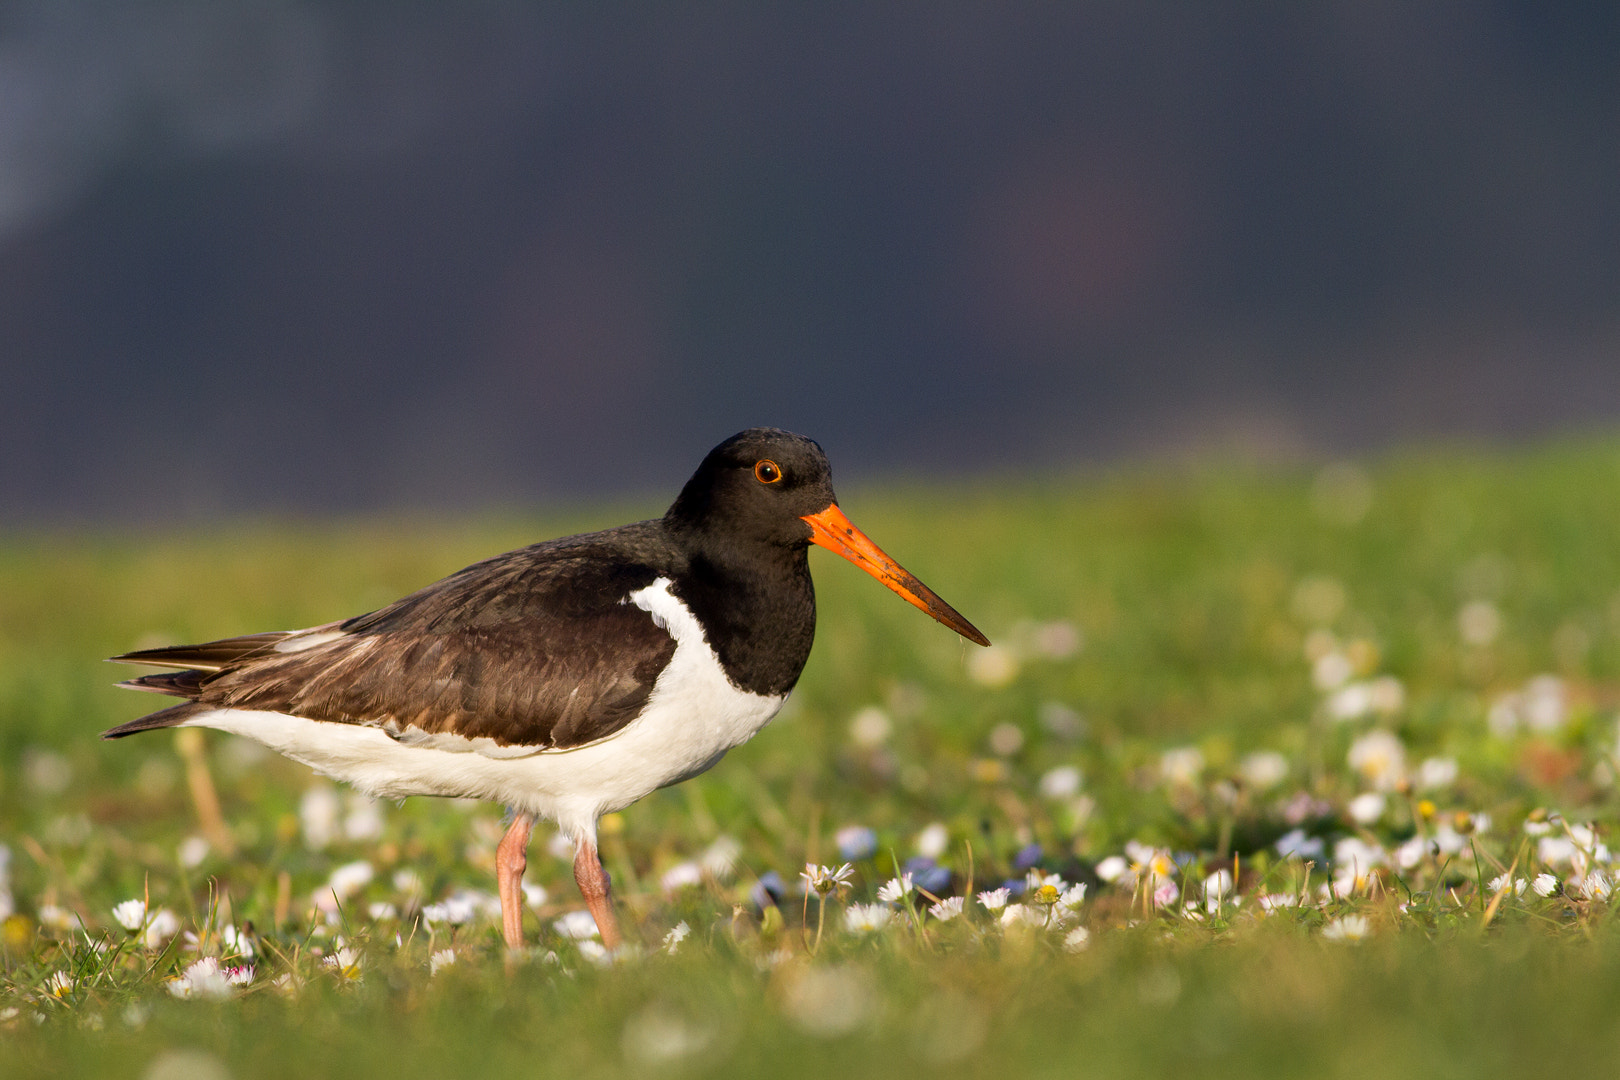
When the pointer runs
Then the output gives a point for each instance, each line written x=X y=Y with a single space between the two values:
x=537 y=648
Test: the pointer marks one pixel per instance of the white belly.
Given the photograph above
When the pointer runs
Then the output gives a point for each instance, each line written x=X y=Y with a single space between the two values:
x=692 y=718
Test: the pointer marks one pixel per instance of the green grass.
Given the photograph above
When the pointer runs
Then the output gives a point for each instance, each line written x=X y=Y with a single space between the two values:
x=1202 y=600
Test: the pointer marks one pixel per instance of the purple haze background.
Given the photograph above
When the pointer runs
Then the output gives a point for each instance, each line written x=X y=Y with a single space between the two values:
x=290 y=257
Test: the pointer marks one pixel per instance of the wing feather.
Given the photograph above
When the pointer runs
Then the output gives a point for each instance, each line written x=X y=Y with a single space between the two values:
x=534 y=649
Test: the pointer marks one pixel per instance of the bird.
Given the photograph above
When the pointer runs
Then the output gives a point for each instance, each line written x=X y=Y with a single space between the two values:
x=564 y=680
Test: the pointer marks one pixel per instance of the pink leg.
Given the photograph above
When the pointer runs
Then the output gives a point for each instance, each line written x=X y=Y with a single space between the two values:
x=511 y=859
x=593 y=885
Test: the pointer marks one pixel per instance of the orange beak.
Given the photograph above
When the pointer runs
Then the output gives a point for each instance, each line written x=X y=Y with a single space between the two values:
x=835 y=532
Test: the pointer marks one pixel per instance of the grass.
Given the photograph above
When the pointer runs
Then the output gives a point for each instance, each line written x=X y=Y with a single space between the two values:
x=1196 y=672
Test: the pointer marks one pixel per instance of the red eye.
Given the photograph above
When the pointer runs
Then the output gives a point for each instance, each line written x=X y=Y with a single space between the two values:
x=767 y=471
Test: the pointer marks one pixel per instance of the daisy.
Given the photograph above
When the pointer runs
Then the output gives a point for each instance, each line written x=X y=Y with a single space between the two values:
x=994 y=899
x=161 y=925
x=1349 y=928
x=896 y=889
x=346 y=962
x=867 y=918
x=824 y=879
x=686 y=875
x=131 y=914
x=676 y=935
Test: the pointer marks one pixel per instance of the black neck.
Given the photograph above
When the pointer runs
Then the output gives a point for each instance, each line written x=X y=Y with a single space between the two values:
x=758 y=607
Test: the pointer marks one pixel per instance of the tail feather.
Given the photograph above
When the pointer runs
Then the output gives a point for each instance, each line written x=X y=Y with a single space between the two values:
x=186 y=684
x=170 y=717
x=210 y=655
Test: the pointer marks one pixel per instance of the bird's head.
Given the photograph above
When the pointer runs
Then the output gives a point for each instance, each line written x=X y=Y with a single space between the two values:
x=766 y=485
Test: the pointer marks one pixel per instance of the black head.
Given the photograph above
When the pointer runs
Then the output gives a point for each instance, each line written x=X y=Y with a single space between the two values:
x=758 y=484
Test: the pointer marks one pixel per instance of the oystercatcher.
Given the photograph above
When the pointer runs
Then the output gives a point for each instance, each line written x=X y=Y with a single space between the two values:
x=565 y=680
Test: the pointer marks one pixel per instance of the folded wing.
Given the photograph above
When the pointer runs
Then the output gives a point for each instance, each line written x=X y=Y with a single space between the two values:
x=533 y=650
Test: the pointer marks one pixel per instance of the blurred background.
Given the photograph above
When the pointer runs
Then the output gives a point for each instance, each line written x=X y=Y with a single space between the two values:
x=284 y=257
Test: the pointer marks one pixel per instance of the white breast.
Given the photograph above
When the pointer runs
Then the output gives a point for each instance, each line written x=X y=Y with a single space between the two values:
x=694 y=715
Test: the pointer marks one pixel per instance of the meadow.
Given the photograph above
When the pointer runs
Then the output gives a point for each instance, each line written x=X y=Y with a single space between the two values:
x=1270 y=772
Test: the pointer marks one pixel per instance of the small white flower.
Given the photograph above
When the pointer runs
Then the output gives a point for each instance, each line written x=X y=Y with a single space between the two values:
x=344 y=883
x=994 y=667
x=1154 y=862
x=381 y=911
x=870 y=728
x=1350 y=701
x=411 y=884
x=577 y=925
x=1073 y=897
x=1062 y=782
x=1035 y=880
x=1380 y=757
x=947 y=909
x=686 y=875
x=895 y=889
x=192 y=851
x=719 y=860
x=1545 y=704
x=1557 y=850
x=994 y=899
x=1349 y=928
x=1352 y=851
x=57 y=917
x=561 y=847
x=441 y=959
x=867 y=918
x=1263 y=770
x=1595 y=886
x=236 y=942
x=1076 y=940
x=60 y=984
x=1368 y=807
x=1216 y=888
x=1411 y=852
x=1332 y=670
x=161 y=925
x=318 y=812
x=131 y=914
x=1006 y=740
x=1478 y=622
x=204 y=979
x=1181 y=766
x=1270 y=902
x=595 y=952
x=1113 y=868
x=346 y=962
x=933 y=840
x=434 y=914
x=364 y=820
x=825 y=879
x=1023 y=915
x=1387 y=694
x=1505 y=882
x=1436 y=772
x=677 y=934
x=461 y=907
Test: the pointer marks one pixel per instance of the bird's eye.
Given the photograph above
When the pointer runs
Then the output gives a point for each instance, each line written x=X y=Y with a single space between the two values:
x=767 y=471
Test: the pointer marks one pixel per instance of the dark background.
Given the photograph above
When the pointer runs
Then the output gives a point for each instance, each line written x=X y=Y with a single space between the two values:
x=310 y=257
